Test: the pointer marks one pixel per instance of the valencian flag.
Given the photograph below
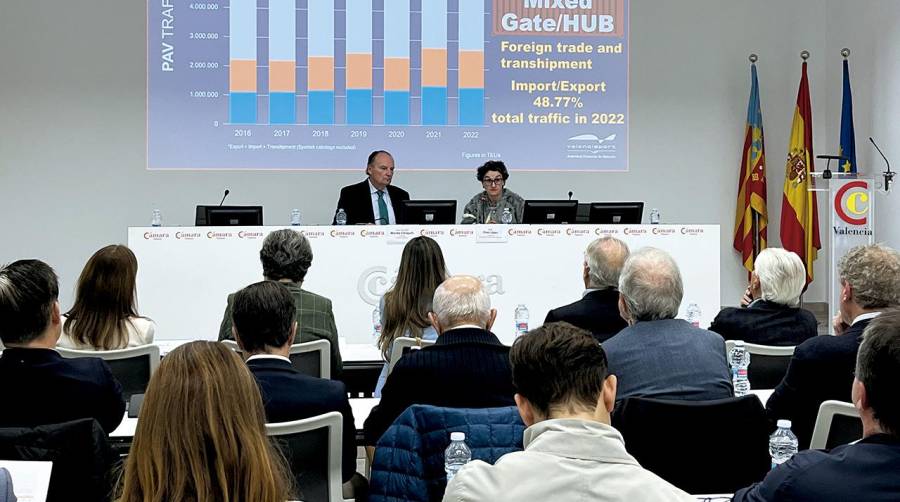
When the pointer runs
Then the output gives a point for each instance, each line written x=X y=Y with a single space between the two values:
x=848 y=138
x=751 y=200
x=799 y=214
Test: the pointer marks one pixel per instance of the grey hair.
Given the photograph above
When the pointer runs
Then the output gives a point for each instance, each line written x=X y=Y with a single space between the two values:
x=651 y=285
x=873 y=272
x=285 y=254
x=605 y=258
x=461 y=299
x=782 y=276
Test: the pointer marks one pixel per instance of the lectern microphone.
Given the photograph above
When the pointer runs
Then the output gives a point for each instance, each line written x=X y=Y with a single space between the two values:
x=888 y=174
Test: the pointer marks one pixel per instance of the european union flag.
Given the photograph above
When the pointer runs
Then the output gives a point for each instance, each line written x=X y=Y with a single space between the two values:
x=848 y=137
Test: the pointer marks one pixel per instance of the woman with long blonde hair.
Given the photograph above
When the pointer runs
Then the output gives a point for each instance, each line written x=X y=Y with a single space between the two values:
x=201 y=434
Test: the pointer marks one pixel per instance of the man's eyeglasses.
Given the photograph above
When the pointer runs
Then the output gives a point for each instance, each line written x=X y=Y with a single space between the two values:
x=491 y=181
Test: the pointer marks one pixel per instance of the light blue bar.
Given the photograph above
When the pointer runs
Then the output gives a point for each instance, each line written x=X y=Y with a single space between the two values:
x=321 y=28
x=321 y=107
x=282 y=107
x=396 y=28
x=242 y=29
x=359 y=106
x=434 y=106
x=396 y=107
x=359 y=26
x=471 y=25
x=434 y=24
x=282 y=30
x=471 y=107
x=242 y=108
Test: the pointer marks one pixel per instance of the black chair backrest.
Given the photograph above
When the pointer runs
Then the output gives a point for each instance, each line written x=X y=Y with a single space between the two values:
x=844 y=430
x=699 y=446
x=307 y=455
x=766 y=372
x=133 y=374
x=307 y=363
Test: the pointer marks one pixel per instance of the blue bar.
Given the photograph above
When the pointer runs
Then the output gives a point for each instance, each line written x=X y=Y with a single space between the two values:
x=396 y=28
x=434 y=24
x=242 y=108
x=434 y=106
x=396 y=107
x=359 y=26
x=359 y=106
x=471 y=25
x=242 y=29
x=282 y=30
x=471 y=106
x=282 y=108
x=321 y=107
x=321 y=28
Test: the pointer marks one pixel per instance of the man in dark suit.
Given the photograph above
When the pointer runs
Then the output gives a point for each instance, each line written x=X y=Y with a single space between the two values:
x=868 y=469
x=264 y=327
x=773 y=316
x=598 y=309
x=373 y=200
x=467 y=367
x=39 y=386
x=822 y=367
x=657 y=355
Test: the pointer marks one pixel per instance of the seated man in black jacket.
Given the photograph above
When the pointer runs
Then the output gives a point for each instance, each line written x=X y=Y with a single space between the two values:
x=467 y=367
x=264 y=327
x=39 y=386
x=869 y=469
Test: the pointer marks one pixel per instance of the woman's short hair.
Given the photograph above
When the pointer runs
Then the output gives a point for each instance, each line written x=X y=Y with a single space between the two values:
x=492 y=165
x=285 y=254
x=782 y=276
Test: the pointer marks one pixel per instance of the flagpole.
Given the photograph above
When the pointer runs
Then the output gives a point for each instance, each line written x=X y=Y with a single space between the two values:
x=845 y=52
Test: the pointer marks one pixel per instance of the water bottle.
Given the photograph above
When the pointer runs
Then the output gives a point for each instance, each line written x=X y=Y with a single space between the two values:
x=521 y=320
x=341 y=217
x=295 y=217
x=506 y=217
x=376 y=323
x=654 y=216
x=739 y=359
x=456 y=455
x=156 y=219
x=693 y=314
x=783 y=443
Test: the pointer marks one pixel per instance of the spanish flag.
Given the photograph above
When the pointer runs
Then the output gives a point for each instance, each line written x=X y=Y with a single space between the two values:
x=751 y=200
x=799 y=213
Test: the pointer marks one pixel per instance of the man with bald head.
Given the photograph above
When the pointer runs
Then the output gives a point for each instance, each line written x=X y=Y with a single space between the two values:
x=373 y=200
x=467 y=367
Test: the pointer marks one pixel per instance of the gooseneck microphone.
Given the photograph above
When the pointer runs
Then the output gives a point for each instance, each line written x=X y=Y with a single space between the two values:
x=570 y=195
x=223 y=197
x=888 y=174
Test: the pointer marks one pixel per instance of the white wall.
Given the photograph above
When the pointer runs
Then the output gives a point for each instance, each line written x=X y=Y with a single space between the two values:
x=72 y=115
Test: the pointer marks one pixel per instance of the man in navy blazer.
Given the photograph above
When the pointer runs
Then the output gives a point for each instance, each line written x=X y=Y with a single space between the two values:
x=374 y=200
x=868 y=469
x=40 y=386
x=264 y=327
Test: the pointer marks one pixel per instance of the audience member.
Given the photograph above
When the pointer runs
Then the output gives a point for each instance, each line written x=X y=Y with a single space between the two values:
x=467 y=367
x=598 y=309
x=375 y=199
x=39 y=386
x=773 y=317
x=264 y=328
x=405 y=307
x=489 y=205
x=868 y=469
x=657 y=355
x=201 y=433
x=822 y=367
x=286 y=257
x=565 y=396
x=6 y=487
x=104 y=316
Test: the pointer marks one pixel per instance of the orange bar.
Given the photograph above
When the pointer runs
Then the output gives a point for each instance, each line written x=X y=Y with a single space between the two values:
x=282 y=76
x=321 y=73
x=396 y=74
x=242 y=75
x=471 y=69
x=359 y=71
x=434 y=67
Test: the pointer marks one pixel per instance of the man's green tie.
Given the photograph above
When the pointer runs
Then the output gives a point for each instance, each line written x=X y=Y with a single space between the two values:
x=382 y=210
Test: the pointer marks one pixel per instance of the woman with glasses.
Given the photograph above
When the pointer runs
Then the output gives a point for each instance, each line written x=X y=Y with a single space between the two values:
x=491 y=205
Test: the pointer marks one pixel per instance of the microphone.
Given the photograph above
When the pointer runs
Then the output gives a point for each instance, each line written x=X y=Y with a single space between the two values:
x=826 y=174
x=888 y=175
x=570 y=195
x=223 y=197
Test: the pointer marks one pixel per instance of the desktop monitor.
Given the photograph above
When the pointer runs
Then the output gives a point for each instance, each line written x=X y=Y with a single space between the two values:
x=226 y=216
x=428 y=212
x=550 y=211
x=616 y=213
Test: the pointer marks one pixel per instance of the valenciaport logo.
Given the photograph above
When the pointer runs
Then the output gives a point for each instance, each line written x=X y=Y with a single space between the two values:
x=634 y=231
x=155 y=236
x=427 y=232
x=607 y=231
x=219 y=235
x=250 y=235
x=461 y=232
x=188 y=236
x=851 y=203
x=578 y=232
x=691 y=231
x=371 y=233
x=313 y=234
x=519 y=232
x=343 y=234
x=549 y=232
x=663 y=231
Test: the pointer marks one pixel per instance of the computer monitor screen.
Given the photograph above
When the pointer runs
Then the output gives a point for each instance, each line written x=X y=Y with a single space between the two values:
x=550 y=211
x=428 y=212
x=616 y=213
x=226 y=216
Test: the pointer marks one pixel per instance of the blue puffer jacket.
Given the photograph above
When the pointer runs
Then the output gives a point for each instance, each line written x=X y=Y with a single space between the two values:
x=409 y=457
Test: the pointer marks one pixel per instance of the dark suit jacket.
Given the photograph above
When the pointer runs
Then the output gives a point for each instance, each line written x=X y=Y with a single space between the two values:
x=868 y=470
x=41 y=387
x=289 y=395
x=465 y=368
x=766 y=323
x=597 y=312
x=356 y=201
x=669 y=359
x=820 y=369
